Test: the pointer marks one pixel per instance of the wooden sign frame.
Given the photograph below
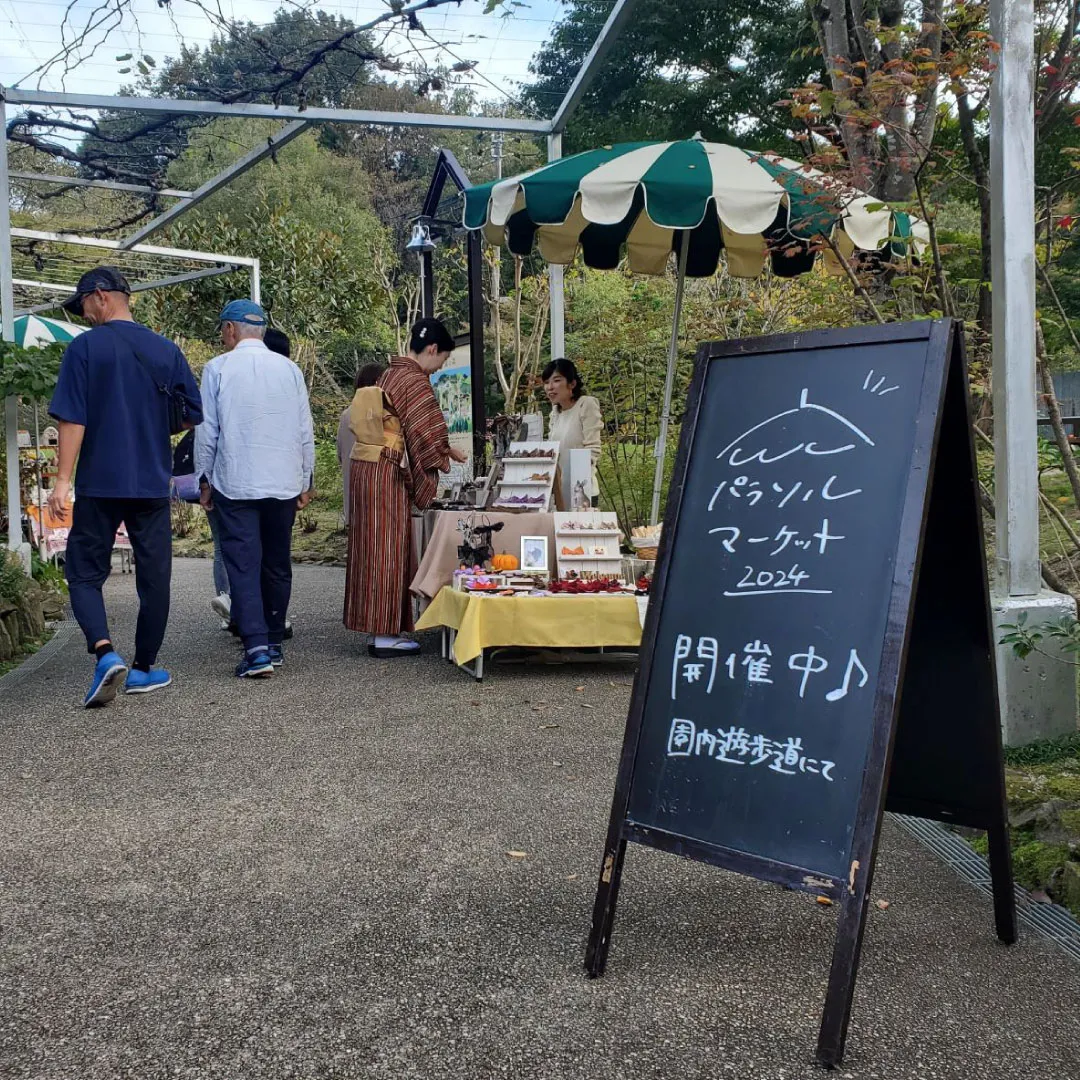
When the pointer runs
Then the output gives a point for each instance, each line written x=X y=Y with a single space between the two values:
x=940 y=539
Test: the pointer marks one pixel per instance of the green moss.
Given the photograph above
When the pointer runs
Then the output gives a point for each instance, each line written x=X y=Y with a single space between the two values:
x=980 y=844
x=1063 y=785
x=1024 y=790
x=1035 y=863
x=1070 y=821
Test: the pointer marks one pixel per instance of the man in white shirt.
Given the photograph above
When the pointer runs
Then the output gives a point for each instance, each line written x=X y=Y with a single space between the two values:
x=255 y=458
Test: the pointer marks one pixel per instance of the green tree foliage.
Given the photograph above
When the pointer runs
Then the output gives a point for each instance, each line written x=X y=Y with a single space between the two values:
x=307 y=217
x=677 y=69
x=30 y=373
x=249 y=62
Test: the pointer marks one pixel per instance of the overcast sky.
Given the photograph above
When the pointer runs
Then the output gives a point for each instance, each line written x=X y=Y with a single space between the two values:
x=31 y=33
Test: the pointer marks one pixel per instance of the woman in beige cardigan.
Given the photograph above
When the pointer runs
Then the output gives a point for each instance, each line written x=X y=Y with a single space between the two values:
x=575 y=421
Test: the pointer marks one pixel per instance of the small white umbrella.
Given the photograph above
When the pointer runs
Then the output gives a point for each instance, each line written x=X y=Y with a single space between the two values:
x=34 y=330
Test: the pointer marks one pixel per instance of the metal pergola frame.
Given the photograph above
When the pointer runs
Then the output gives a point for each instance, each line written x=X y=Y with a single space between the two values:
x=221 y=264
x=448 y=169
x=299 y=119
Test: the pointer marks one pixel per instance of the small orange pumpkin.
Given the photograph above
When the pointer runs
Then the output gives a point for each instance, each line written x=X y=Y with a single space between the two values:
x=504 y=562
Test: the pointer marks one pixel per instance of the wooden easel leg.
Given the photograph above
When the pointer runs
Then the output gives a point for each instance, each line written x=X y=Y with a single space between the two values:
x=845 y=966
x=607 y=894
x=1001 y=878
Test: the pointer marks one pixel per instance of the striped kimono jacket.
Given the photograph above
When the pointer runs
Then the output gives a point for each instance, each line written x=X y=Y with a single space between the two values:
x=382 y=561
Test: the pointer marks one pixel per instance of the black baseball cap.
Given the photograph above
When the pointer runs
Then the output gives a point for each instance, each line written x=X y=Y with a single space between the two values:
x=107 y=278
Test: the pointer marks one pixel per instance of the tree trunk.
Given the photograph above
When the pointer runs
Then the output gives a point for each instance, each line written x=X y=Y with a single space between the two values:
x=869 y=75
x=981 y=174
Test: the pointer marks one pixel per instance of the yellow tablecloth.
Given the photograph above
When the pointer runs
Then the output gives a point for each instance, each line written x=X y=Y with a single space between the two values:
x=552 y=622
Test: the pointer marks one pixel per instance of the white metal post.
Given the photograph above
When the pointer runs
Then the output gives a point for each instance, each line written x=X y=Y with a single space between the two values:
x=1037 y=694
x=256 y=281
x=1012 y=192
x=555 y=275
x=7 y=326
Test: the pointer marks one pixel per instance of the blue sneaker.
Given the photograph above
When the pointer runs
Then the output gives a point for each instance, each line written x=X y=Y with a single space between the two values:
x=277 y=655
x=108 y=674
x=255 y=665
x=146 y=682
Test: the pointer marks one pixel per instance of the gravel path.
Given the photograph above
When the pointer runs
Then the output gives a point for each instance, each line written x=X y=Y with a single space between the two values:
x=308 y=877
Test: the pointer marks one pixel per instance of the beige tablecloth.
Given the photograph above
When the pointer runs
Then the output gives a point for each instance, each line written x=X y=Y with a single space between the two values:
x=440 y=559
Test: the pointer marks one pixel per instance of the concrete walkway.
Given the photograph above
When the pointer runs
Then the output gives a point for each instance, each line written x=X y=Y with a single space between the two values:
x=308 y=877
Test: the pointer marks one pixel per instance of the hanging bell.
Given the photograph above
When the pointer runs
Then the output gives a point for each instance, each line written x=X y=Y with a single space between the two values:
x=420 y=239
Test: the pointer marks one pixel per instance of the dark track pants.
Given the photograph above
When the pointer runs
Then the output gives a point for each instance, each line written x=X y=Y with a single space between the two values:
x=256 y=544
x=89 y=560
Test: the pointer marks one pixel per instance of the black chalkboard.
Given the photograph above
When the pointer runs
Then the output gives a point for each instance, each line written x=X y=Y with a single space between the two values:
x=822 y=526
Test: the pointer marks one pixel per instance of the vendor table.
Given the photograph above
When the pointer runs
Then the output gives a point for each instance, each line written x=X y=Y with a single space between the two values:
x=440 y=557
x=473 y=622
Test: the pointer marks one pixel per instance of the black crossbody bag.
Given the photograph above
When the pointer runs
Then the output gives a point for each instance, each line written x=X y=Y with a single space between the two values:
x=177 y=403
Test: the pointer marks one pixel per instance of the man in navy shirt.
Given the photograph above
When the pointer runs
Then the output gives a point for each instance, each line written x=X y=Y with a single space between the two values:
x=112 y=403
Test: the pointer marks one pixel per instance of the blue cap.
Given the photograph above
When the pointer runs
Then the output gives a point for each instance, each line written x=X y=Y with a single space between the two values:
x=243 y=311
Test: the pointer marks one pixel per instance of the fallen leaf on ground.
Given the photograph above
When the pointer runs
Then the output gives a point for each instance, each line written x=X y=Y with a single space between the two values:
x=578 y=689
x=538 y=708
x=548 y=727
x=572 y=877
x=586 y=705
x=883 y=905
x=474 y=703
x=557 y=764
x=1039 y=896
x=517 y=854
x=824 y=901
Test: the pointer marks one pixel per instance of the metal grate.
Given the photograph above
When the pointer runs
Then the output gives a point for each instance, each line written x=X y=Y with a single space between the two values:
x=64 y=632
x=1050 y=920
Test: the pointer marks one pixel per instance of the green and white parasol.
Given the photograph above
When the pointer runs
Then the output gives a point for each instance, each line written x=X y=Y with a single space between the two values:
x=647 y=199
x=33 y=330
x=642 y=197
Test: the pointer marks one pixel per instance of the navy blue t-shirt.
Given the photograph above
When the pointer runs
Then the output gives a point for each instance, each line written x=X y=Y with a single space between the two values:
x=126 y=451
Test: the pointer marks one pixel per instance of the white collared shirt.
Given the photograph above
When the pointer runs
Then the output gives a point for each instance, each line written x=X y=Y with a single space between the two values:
x=256 y=440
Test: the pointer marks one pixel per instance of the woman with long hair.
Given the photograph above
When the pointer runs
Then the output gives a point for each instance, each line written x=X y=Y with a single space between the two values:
x=575 y=421
x=401 y=447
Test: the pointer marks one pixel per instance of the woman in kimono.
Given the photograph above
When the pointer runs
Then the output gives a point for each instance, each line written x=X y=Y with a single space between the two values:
x=401 y=447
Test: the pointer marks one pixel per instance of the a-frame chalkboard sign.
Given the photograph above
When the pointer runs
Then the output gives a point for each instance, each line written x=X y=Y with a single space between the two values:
x=818 y=646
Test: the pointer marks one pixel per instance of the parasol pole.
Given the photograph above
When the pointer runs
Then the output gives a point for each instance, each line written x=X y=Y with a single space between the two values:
x=669 y=378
